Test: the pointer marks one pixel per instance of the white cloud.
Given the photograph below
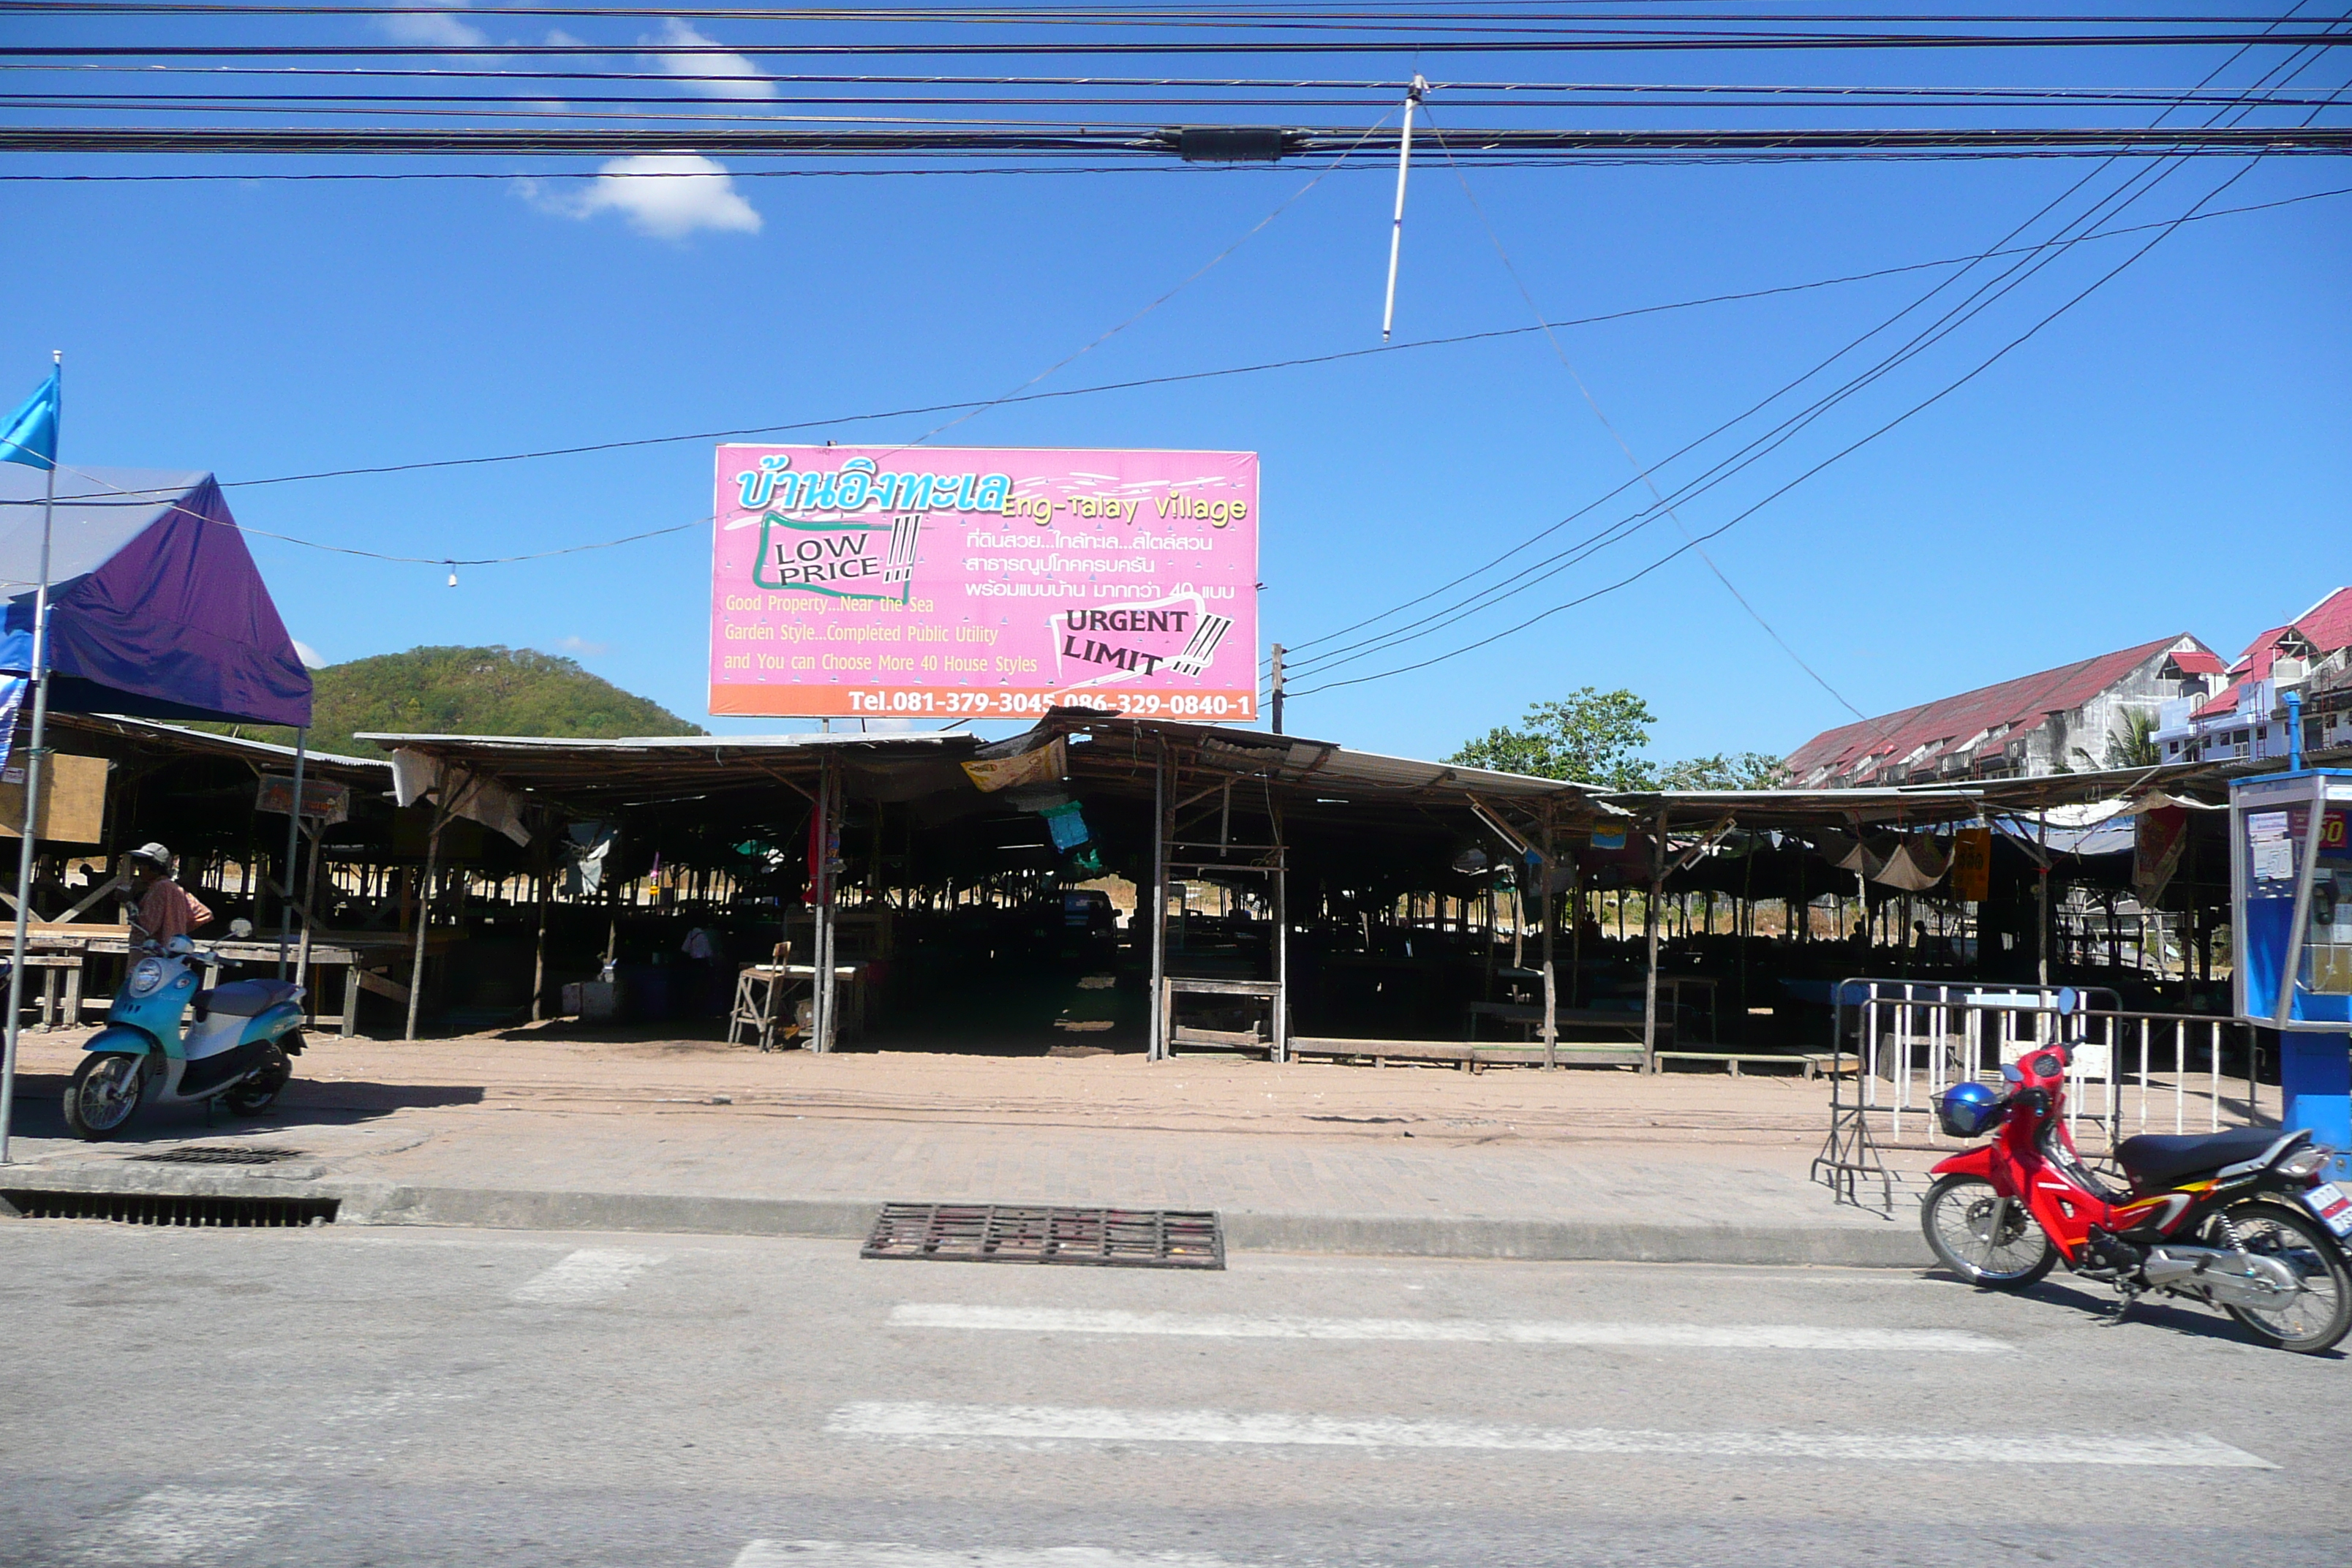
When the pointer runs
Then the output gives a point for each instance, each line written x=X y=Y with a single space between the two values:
x=666 y=195
x=425 y=27
x=676 y=32
x=308 y=655
x=582 y=647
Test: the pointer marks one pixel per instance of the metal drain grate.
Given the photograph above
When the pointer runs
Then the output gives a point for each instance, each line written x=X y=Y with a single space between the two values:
x=216 y=1154
x=1004 y=1233
x=170 y=1208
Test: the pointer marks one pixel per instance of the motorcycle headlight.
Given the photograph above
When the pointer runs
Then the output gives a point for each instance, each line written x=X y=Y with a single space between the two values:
x=145 y=975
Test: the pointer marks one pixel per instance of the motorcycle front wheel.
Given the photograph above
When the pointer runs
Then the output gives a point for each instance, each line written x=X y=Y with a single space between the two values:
x=104 y=1094
x=1958 y=1219
x=2315 y=1318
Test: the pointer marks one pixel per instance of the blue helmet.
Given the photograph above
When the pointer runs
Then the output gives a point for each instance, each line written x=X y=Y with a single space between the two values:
x=1969 y=1111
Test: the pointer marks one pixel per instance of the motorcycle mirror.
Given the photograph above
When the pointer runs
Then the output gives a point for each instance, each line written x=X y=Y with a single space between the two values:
x=2009 y=1071
x=240 y=927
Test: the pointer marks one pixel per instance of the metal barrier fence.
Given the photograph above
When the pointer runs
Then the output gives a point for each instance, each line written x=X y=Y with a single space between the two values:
x=1904 y=1042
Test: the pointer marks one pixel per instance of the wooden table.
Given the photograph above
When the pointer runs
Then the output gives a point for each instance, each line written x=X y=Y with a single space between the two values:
x=64 y=947
x=1670 y=999
x=762 y=989
x=1529 y=1016
x=1268 y=991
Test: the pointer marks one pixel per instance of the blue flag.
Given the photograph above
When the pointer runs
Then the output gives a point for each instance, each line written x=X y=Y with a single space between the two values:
x=29 y=435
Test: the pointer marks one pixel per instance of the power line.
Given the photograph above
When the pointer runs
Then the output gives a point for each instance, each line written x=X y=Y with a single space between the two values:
x=1294 y=363
x=2163 y=231
x=1579 y=39
x=1747 y=456
x=948 y=139
x=1105 y=15
x=1268 y=97
x=1645 y=473
x=1751 y=511
x=867 y=78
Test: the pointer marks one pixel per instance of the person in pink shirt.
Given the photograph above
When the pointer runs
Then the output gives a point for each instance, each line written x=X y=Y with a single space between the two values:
x=165 y=910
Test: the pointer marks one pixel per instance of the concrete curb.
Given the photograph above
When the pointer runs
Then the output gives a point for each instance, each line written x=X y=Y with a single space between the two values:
x=1893 y=1245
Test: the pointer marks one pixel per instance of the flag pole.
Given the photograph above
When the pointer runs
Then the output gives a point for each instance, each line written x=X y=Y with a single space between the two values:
x=32 y=789
x=293 y=844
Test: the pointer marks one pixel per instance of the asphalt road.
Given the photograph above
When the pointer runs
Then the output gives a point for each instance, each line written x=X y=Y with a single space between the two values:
x=345 y=1397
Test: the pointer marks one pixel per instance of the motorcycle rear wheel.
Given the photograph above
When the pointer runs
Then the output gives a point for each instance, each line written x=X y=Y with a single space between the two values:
x=2316 y=1319
x=1957 y=1219
x=104 y=1094
x=260 y=1092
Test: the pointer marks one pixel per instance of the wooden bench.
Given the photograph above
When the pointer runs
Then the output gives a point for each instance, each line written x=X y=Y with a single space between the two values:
x=1469 y=1056
x=1733 y=1060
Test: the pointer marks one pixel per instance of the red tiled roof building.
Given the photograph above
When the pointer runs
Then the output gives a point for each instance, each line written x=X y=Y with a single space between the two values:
x=2075 y=717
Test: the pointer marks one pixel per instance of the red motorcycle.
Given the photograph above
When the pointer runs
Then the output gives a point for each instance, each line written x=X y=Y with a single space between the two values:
x=2238 y=1220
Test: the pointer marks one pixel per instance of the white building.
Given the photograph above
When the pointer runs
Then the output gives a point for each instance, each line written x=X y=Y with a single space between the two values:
x=2246 y=720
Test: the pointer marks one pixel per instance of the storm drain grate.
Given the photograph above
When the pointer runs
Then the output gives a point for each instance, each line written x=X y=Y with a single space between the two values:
x=216 y=1154
x=172 y=1208
x=1005 y=1233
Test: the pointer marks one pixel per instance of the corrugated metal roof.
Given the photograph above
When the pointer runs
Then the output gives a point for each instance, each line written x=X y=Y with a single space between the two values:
x=1918 y=737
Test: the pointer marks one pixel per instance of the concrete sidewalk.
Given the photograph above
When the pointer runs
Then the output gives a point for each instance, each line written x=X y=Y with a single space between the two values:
x=532 y=1130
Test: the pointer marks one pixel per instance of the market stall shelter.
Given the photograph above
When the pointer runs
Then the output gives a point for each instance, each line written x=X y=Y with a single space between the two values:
x=155 y=608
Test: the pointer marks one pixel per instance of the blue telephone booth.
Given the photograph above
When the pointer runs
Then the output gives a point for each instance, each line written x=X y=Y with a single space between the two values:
x=2291 y=893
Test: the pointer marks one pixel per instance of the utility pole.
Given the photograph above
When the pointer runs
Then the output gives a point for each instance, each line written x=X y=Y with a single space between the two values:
x=1277 y=691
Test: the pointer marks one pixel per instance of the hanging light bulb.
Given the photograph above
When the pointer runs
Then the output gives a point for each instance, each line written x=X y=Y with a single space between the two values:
x=453 y=573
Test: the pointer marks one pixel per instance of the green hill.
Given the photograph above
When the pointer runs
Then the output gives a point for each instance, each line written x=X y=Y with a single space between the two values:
x=468 y=692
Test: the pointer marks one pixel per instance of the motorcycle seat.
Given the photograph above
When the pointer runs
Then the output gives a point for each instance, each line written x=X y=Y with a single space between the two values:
x=249 y=998
x=2157 y=1160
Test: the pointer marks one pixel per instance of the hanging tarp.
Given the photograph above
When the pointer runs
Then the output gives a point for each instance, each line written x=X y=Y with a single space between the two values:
x=1914 y=865
x=1044 y=764
x=156 y=609
x=2157 y=845
x=474 y=797
x=1866 y=857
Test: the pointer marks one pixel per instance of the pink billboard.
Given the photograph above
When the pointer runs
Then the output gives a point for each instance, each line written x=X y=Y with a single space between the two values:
x=919 y=583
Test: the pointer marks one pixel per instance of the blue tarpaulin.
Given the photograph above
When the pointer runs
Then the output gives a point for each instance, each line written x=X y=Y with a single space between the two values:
x=156 y=608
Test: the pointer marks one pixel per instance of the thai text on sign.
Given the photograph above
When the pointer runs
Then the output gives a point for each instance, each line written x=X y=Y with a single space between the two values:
x=983 y=582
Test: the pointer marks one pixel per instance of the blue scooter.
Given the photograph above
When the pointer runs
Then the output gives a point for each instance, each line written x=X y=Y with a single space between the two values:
x=234 y=1049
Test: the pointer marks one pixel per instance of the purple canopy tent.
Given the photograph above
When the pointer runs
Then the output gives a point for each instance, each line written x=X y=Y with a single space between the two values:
x=154 y=609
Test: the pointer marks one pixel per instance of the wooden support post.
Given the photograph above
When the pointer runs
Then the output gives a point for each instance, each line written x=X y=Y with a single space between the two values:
x=309 y=918
x=539 y=949
x=1550 y=907
x=1159 y=1046
x=293 y=844
x=425 y=900
x=822 y=1024
x=1281 y=938
x=1650 y=932
x=2041 y=902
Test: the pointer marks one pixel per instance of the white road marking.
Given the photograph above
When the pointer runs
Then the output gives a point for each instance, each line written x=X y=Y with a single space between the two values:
x=185 y=1525
x=1456 y=1331
x=916 y=1420
x=887 y=1555
x=582 y=1277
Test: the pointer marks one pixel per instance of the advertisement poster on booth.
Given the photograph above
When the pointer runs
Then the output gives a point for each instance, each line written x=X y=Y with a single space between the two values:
x=986 y=582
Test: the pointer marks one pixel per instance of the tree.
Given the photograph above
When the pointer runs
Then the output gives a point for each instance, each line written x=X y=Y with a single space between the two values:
x=1589 y=737
x=2135 y=745
x=468 y=691
x=1725 y=770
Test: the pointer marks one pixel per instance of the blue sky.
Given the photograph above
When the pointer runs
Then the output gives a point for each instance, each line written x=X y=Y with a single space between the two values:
x=2174 y=454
